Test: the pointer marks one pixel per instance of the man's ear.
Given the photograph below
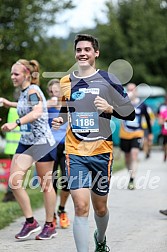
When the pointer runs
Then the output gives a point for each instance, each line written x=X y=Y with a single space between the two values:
x=97 y=54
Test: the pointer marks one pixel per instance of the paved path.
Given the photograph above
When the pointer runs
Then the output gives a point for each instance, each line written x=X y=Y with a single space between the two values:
x=135 y=222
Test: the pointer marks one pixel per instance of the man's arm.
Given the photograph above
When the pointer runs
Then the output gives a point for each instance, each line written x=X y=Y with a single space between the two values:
x=130 y=117
x=63 y=113
x=103 y=105
x=62 y=117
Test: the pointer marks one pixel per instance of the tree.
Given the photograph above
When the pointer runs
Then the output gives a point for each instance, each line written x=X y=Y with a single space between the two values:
x=23 y=24
x=136 y=31
x=56 y=56
x=23 y=27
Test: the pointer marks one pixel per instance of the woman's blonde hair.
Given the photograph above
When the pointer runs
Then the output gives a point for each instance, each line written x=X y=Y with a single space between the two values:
x=31 y=66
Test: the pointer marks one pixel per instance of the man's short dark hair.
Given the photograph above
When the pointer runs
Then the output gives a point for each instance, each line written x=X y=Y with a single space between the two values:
x=87 y=37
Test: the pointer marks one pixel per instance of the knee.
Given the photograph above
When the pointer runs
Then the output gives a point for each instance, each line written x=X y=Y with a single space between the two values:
x=101 y=211
x=47 y=187
x=15 y=182
x=81 y=209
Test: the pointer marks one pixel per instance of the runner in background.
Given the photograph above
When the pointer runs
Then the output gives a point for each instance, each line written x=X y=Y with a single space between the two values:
x=36 y=144
x=54 y=105
x=147 y=142
x=131 y=134
x=163 y=122
x=162 y=118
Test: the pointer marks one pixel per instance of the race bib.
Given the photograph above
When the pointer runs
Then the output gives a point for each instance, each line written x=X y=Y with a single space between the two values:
x=84 y=122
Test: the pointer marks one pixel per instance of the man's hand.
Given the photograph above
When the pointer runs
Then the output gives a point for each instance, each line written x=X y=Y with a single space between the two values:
x=57 y=122
x=102 y=104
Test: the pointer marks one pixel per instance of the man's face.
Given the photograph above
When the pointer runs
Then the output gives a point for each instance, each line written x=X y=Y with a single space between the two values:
x=85 y=54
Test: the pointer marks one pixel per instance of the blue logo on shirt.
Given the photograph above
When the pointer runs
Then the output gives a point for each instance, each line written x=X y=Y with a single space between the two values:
x=78 y=95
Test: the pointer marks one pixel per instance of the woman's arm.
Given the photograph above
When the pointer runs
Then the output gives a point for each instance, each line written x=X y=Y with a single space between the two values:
x=35 y=101
x=8 y=104
x=37 y=110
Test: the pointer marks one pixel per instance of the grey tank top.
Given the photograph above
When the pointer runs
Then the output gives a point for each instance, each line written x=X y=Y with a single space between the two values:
x=38 y=131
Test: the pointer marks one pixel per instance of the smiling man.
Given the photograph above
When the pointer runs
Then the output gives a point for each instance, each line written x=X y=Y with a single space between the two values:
x=92 y=96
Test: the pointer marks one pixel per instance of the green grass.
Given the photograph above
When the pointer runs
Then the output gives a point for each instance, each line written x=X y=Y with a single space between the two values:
x=119 y=162
x=118 y=165
x=10 y=211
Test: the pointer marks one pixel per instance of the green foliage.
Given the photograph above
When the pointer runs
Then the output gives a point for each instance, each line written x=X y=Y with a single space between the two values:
x=23 y=27
x=136 y=31
x=119 y=162
x=57 y=56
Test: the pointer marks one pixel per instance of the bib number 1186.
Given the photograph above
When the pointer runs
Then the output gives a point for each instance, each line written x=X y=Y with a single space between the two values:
x=85 y=122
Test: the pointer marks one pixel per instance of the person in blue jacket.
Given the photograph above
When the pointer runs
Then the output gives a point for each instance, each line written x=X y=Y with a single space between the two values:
x=54 y=105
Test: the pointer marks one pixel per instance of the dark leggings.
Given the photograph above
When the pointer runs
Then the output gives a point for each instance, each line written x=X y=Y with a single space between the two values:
x=60 y=161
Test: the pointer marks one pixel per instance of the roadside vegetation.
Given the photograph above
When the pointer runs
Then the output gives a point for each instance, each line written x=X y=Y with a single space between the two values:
x=10 y=211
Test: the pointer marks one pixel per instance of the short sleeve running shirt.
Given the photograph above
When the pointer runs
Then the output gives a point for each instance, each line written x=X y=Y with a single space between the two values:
x=133 y=129
x=38 y=131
